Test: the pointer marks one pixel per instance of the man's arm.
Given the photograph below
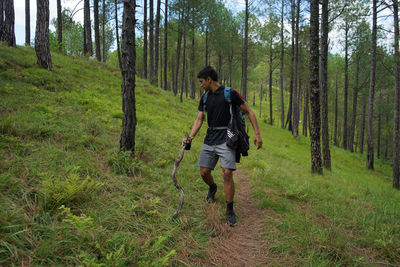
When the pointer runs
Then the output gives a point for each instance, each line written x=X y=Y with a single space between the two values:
x=195 y=128
x=257 y=138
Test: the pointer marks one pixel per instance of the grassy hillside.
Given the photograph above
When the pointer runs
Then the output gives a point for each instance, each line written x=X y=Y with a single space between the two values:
x=70 y=197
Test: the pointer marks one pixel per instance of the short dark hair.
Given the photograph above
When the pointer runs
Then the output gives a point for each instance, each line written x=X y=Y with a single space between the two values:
x=208 y=72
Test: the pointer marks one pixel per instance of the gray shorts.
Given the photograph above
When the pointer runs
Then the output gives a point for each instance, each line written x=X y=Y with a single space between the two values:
x=209 y=156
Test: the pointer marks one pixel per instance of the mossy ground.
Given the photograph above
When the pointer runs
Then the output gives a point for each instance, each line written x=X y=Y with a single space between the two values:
x=70 y=197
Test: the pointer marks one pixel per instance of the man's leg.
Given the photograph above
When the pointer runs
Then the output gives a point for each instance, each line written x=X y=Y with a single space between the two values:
x=229 y=190
x=206 y=175
x=229 y=186
x=208 y=179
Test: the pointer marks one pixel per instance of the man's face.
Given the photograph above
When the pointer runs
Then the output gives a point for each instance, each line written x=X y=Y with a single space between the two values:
x=205 y=83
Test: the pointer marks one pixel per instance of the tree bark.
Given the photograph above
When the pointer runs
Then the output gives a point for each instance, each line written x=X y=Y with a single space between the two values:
x=165 y=44
x=261 y=95
x=8 y=23
x=88 y=29
x=362 y=134
x=104 y=31
x=192 y=63
x=184 y=55
x=127 y=140
x=335 y=142
x=157 y=43
x=295 y=130
x=270 y=83
x=305 y=112
x=246 y=38
x=324 y=85
x=59 y=24
x=378 y=149
x=144 y=71
x=346 y=85
x=151 y=40
x=96 y=29
x=281 y=71
x=370 y=131
x=206 y=47
x=42 y=45
x=396 y=121
x=27 y=21
x=117 y=35
x=2 y=3
x=178 y=54
x=316 y=161
x=355 y=99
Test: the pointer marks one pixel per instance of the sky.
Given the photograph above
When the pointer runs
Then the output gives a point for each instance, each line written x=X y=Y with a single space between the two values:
x=19 y=7
x=234 y=5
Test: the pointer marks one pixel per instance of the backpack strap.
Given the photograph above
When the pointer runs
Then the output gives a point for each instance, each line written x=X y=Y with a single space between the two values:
x=205 y=96
x=227 y=94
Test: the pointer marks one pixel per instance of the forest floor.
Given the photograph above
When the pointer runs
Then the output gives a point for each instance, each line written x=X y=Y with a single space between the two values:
x=242 y=245
x=75 y=199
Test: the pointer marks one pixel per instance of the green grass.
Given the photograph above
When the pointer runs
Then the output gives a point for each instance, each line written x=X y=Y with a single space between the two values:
x=72 y=198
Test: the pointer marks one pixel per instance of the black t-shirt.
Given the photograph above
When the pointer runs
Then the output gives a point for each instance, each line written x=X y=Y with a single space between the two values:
x=218 y=114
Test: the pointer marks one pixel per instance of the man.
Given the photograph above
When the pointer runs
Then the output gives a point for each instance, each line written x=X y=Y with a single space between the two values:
x=214 y=147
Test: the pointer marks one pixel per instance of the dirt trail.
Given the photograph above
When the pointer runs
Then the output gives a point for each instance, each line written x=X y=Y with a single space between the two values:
x=242 y=245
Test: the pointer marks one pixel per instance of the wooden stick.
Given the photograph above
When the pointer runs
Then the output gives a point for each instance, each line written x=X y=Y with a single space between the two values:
x=176 y=165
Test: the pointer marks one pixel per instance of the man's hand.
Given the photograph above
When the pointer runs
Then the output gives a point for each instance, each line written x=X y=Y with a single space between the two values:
x=187 y=140
x=257 y=141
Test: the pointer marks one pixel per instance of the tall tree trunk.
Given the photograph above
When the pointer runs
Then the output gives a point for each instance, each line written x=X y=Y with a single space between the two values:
x=231 y=67
x=42 y=44
x=8 y=23
x=290 y=109
x=295 y=130
x=335 y=142
x=370 y=131
x=157 y=42
x=178 y=54
x=96 y=29
x=2 y=3
x=246 y=38
x=184 y=55
x=59 y=24
x=305 y=112
x=165 y=44
x=281 y=71
x=27 y=20
x=316 y=161
x=362 y=134
x=355 y=98
x=192 y=64
x=270 y=83
x=88 y=29
x=346 y=84
x=104 y=30
x=324 y=86
x=144 y=73
x=378 y=150
x=151 y=40
x=397 y=97
x=207 y=46
x=261 y=95
x=127 y=141
x=117 y=35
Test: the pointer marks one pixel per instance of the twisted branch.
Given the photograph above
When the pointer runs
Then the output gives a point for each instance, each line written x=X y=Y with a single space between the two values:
x=176 y=165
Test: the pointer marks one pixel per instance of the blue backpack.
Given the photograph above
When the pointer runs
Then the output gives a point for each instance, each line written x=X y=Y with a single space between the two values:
x=237 y=137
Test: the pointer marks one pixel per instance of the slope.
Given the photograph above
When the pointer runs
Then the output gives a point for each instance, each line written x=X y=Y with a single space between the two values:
x=73 y=198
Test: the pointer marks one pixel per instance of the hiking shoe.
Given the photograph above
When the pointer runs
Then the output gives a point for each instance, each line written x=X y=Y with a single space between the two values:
x=231 y=217
x=211 y=193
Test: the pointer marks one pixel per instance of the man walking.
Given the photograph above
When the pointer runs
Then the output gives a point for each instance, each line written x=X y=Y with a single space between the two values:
x=214 y=147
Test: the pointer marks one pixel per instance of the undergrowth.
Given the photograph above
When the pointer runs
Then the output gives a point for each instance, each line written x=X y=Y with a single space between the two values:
x=73 y=198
